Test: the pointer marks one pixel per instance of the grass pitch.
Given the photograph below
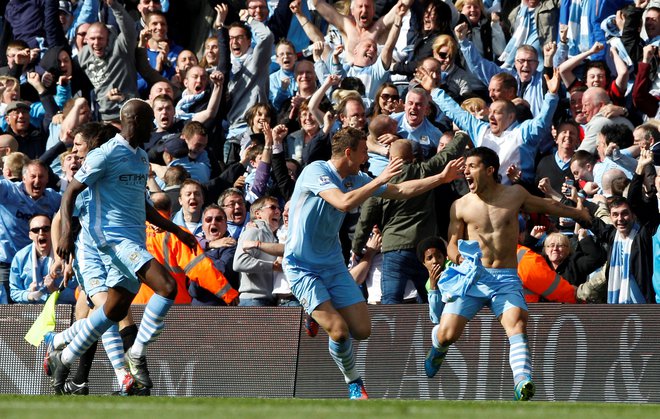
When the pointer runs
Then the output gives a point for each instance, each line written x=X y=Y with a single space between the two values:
x=52 y=407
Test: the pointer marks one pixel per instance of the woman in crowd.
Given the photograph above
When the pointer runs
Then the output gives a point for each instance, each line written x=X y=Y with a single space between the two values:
x=486 y=34
x=433 y=18
x=457 y=82
x=258 y=114
x=574 y=265
x=210 y=59
x=297 y=142
x=387 y=100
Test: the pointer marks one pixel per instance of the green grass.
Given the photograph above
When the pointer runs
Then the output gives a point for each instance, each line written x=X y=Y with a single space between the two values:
x=51 y=407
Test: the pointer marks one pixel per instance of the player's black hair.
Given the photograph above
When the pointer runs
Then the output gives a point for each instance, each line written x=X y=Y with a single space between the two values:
x=488 y=157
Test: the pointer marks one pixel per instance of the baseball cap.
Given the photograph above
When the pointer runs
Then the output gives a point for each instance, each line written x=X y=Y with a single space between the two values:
x=17 y=104
x=65 y=6
x=174 y=146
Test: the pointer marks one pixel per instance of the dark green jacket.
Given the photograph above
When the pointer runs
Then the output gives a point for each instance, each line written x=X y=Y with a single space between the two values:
x=405 y=222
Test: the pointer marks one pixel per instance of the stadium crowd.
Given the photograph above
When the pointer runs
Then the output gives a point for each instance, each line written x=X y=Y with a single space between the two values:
x=247 y=94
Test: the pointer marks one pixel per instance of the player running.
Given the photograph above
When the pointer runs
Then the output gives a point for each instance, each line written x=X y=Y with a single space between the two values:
x=91 y=272
x=313 y=260
x=116 y=174
x=488 y=216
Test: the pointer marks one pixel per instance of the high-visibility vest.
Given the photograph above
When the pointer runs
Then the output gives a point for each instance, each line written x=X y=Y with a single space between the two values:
x=183 y=265
x=539 y=279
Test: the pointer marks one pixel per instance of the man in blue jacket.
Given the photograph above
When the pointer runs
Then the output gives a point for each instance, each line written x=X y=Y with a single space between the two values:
x=19 y=202
x=29 y=280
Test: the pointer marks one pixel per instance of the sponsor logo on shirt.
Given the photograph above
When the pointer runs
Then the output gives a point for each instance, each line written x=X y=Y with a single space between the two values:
x=134 y=178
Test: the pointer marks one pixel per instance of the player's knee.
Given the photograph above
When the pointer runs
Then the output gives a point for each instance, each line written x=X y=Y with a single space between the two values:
x=448 y=335
x=515 y=324
x=517 y=327
x=362 y=332
x=338 y=331
x=118 y=311
x=168 y=288
x=82 y=309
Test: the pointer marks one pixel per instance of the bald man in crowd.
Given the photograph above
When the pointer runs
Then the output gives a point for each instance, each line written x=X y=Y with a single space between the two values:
x=593 y=102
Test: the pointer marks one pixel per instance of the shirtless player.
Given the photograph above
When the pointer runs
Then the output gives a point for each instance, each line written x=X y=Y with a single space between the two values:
x=489 y=216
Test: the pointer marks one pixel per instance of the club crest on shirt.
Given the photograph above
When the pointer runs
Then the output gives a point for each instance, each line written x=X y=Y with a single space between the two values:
x=324 y=180
x=348 y=185
x=94 y=282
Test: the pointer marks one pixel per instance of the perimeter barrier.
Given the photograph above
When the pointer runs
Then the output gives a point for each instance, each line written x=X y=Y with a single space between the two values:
x=579 y=353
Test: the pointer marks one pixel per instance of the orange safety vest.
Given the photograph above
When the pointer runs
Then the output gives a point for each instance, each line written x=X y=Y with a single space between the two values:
x=183 y=265
x=539 y=279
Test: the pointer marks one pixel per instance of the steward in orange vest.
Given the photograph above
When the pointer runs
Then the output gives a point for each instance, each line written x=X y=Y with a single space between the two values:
x=184 y=266
x=540 y=280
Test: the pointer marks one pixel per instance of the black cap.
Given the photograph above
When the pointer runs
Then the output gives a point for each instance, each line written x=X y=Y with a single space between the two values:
x=174 y=146
x=65 y=6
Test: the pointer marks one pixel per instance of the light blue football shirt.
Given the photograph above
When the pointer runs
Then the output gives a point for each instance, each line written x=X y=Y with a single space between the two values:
x=313 y=237
x=198 y=169
x=426 y=135
x=116 y=174
x=88 y=261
